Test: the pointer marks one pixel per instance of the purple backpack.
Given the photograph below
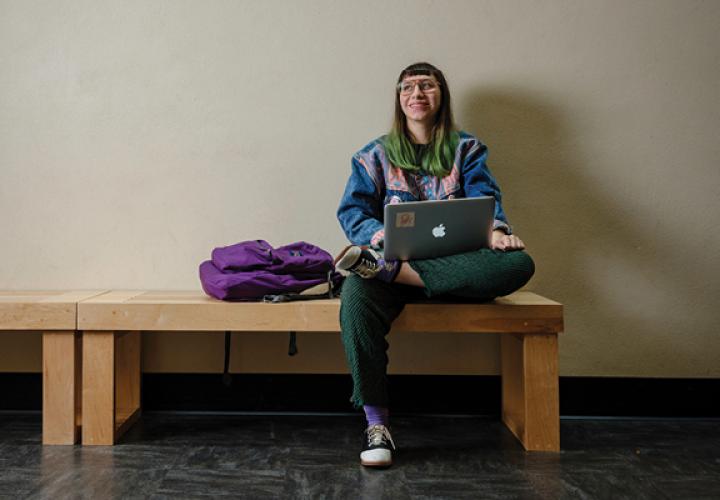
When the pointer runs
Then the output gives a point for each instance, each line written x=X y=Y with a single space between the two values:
x=252 y=270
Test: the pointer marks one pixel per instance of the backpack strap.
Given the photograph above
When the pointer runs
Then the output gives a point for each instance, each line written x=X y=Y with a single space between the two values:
x=292 y=348
x=331 y=293
x=227 y=378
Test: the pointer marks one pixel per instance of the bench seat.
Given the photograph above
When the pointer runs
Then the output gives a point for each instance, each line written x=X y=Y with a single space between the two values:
x=112 y=324
x=54 y=314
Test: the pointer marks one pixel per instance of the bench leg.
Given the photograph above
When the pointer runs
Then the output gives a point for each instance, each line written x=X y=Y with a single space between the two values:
x=61 y=387
x=530 y=393
x=111 y=385
x=127 y=381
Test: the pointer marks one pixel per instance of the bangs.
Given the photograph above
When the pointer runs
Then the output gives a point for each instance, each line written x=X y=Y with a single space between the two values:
x=417 y=72
x=419 y=69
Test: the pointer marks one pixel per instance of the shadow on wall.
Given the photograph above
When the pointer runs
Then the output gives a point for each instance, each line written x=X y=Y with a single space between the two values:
x=625 y=295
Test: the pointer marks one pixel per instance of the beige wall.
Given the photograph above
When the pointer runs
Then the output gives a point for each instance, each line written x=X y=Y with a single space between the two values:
x=135 y=136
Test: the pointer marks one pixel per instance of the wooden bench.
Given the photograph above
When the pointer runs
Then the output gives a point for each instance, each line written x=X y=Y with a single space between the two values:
x=54 y=313
x=112 y=324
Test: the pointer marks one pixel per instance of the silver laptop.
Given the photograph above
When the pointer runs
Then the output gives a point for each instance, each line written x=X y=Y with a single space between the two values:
x=427 y=229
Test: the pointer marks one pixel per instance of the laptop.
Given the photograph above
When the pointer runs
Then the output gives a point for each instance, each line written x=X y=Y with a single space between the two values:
x=427 y=229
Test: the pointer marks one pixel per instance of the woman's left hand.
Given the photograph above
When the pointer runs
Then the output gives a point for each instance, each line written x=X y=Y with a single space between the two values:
x=505 y=242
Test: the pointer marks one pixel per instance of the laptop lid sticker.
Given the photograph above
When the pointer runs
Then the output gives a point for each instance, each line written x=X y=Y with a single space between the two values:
x=405 y=219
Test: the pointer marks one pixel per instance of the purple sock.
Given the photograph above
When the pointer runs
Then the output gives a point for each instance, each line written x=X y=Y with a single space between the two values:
x=376 y=415
x=390 y=270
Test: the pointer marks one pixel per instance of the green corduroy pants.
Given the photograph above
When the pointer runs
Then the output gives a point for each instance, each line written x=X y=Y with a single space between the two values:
x=368 y=307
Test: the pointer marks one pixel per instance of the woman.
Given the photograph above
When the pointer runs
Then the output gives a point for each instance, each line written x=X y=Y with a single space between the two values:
x=422 y=158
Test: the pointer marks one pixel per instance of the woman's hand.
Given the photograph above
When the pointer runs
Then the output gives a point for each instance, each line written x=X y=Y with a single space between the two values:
x=505 y=242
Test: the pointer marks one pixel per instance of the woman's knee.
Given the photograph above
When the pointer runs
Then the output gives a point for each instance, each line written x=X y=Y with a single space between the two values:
x=524 y=263
x=496 y=273
x=520 y=268
x=356 y=293
x=367 y=307
x=357 y=302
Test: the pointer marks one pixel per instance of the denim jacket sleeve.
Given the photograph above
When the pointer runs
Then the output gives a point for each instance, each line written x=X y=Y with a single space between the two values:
x=478 y=181
x=360 y=211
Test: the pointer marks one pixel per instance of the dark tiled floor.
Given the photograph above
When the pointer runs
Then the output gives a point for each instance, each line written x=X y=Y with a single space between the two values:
x=167 y=456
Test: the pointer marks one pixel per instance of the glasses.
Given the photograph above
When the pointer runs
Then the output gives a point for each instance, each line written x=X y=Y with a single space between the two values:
x=407 y=88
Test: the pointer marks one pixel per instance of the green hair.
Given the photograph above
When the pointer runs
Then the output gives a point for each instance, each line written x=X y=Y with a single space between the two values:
x=438 y=160
x=440 y=155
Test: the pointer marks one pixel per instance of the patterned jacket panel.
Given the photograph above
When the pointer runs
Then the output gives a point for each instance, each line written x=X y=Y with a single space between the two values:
x=375 y=182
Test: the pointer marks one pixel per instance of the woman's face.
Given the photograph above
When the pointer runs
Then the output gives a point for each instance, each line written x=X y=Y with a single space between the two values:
x=420 y=98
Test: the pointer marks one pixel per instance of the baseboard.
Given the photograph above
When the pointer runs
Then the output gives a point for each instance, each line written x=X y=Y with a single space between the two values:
x=413 y=394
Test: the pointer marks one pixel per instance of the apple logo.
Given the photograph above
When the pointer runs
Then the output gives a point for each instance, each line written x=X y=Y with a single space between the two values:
x=439 y=231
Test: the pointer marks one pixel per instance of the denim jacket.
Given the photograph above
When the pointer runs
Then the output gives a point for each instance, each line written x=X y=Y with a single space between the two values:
x=374 y=182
